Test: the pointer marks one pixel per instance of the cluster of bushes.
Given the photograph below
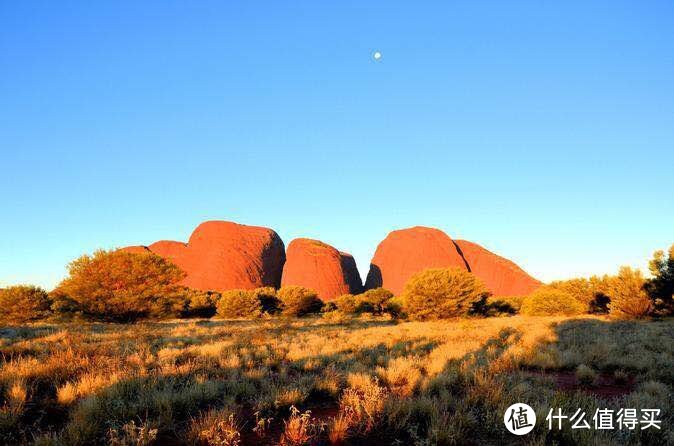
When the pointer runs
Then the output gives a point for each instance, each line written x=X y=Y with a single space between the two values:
x=442 y=293
x=378 y=301
x=623 y=296
x=293 y=301
x=122 y=286
x=627 y=295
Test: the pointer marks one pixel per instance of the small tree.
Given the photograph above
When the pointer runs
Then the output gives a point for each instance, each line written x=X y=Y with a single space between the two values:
x=442 y=293
x=118 y=285
x=200 y=303
x=346 y=303
x=591 y=292
x=298 y=301
x=373 y=301
x=239 y=303
x=547 y=301
x=23 y=303
x=661 y=287
x=629 y=300
x=268 y=299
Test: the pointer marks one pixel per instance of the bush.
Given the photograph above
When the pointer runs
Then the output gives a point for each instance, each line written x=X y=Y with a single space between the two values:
x=592 y=292
x=548 y=301
x=118 y=285
x=239 y=303
x=268 y=299
x=200 y=303
x=346 y=303
x=661 y=287
x=502 y=305
x=442 y=293
x=373 y=301
x=298 y=301
x=23 y=303
x=629 y=300
x=585 y=375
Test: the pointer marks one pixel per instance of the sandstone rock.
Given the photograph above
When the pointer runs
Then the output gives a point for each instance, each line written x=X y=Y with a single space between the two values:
x=351 y=273
x=136 y=249
x=169 y=249
x=407 y=251
x=317 y=265
x=501 y=276
x=223 y=255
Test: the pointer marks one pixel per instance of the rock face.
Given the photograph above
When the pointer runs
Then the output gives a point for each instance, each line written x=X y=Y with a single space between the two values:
x=317 y=265
x=501 y=276
x=407 y=251
x=137 y=249
x=222 y=255
x=351 y=273
x=169 y=249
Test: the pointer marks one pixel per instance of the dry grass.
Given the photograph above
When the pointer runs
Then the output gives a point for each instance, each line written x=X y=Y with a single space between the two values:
x=364 y=380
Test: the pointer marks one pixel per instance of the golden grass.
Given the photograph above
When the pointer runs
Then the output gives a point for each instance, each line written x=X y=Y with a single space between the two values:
x=235 y=382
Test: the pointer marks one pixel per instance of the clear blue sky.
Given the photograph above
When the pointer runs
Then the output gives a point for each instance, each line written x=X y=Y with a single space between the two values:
x=542 y=130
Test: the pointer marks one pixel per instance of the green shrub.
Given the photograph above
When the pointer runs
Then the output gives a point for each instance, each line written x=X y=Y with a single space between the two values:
x=661 y=287
x=298 y=301
x=373 y=301
x=629 y=300
x=200 y=303
x=585 y=375
x=268 y=299
x=346 y=303
x=592 y=292
x=442 y=293
x=239 y=303
x=63 y=306
x=502 y=305
x=118 y=285
x=548 y=301
x=23 y=303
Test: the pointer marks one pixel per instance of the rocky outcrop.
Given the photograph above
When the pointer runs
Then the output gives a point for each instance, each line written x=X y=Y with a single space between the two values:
x=351 y=273
x=169 y=249
x=136 y=249
x=501 y=276
x=407 y=251
x=317 y=265
x=222 y=255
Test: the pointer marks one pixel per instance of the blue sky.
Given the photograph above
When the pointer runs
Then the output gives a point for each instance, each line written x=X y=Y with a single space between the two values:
x=541 y=130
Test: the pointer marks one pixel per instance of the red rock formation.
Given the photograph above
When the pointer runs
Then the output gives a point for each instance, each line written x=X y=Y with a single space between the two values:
x=169 y=249
x=136 y=249
x=501 y=276
x=223 y=255
x=407 y=251
x=316 y=265
x=351 y=273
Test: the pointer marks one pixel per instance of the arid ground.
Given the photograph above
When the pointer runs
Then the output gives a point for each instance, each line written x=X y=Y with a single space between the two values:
x=330 y=380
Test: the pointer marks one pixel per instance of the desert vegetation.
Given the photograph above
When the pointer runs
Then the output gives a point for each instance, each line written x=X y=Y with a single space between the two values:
x=437 y=364
x=311 y=381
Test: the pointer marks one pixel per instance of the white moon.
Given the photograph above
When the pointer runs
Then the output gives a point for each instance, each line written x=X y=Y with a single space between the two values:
x=376 y=55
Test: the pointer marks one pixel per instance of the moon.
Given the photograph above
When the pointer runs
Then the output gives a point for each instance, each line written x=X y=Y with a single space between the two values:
x=377 y=55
